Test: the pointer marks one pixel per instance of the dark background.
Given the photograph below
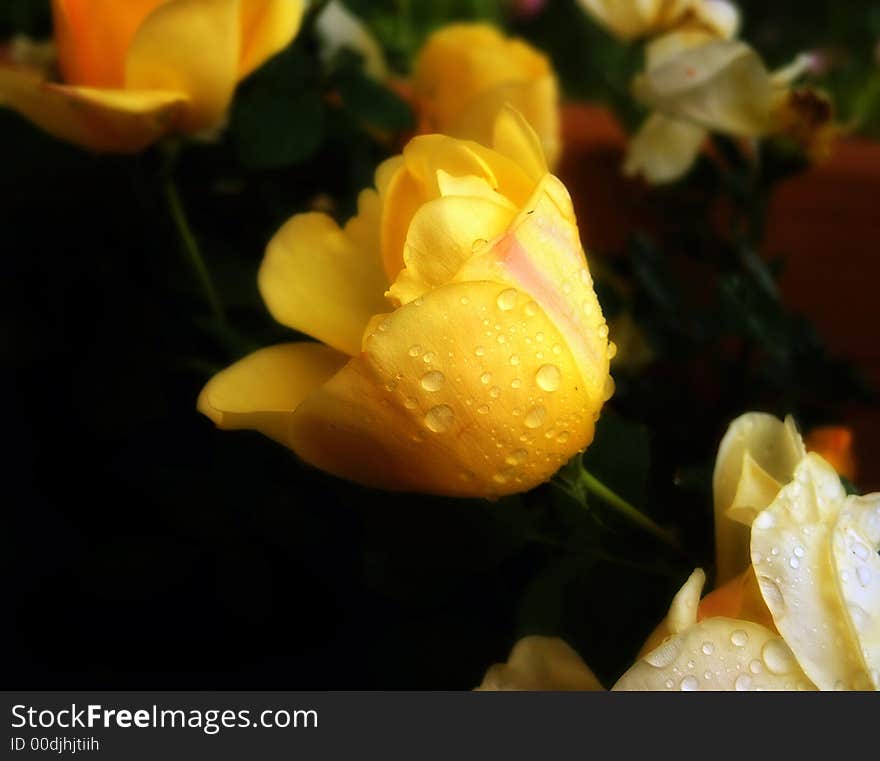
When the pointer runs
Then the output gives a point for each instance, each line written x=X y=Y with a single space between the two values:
x=149 y=550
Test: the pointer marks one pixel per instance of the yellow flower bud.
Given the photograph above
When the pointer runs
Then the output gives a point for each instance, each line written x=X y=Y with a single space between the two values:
x=136 y=70
x=466 y=73
x=464 y=350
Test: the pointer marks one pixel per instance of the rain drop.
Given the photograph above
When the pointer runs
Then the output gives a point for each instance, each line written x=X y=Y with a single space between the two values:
x=439 y=418
x=433 y=380
x=507 y=299
x=548 y=377
x=536 y=416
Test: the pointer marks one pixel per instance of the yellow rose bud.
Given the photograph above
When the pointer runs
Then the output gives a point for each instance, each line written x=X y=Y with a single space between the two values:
x=466 y=73
x=464 y=350
x=135 y=70
x=540 y=663
x=631 y=19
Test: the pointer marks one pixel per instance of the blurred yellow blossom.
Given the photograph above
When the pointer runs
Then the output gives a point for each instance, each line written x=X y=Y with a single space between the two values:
x=466 y=73
x=463 y=348
x=134 y=71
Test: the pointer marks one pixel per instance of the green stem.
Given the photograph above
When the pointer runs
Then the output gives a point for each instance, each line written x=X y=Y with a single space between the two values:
x=593 y=485
x=189 y=243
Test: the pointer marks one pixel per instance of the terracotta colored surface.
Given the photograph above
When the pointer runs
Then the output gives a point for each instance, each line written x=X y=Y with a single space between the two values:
x=608 y=205
x=826 y=222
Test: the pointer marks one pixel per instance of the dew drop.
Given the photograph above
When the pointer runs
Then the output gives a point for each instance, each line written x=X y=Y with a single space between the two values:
x=689 y=684
x=743 y=683
x=557 y=349
x=794 y=562
x=708 y=648
x=608 y=389
x=485 y=378
x=739 y=638
x=415 y=350
x=433 y=380
x=772 y=595
x=864 y=575
x=777 y=657
x=612 y=350
x=517 y=457
x=536 y=416
x=410 y=403
x=439 y=418
x=514 y=359
x=765 y=519
x=562 y=437
x=494 y=392
x=548 y=377
x=756 y=667
x=799 y=551
x=602 y=330
x=515 y=383
x=480 y=351
x=483 y=409
x=664 y=655
x=531 y=309
x=507 y=299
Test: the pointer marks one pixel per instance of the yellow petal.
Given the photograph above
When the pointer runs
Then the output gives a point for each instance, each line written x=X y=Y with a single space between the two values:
x=267 y=27
x=466 y=74
x=855 y=542
x=113 y=121
x=723 y=654
x=774 y=449
x=443 y=235
x=663 y=149
x=541 y=255
x=627 y=19
x=514 y=137
x=718 y=653
x=541 y=663
x=451 y=397
x=323 y=281
x=720 y=85
x=93 y=36
x=261 y=391
x=192 y=47
x=791 y=554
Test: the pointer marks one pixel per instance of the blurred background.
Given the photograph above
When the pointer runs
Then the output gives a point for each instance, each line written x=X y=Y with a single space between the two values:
x=151 y=551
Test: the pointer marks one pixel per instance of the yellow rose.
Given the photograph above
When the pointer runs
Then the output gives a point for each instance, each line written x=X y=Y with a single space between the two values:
x=135 y=70
x=540 y=663
x=466 y=73
x=464 y=351
x=631 y=19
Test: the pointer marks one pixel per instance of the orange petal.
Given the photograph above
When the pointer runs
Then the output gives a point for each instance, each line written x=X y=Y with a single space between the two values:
x=192 y=47
x=470 y=391
x=267 y=27
x=835 y=444
x=93 y=36
x=112 y=121
x=261 y=391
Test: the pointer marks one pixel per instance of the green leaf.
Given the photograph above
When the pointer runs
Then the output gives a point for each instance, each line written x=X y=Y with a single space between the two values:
x=367 y=100
x=620 y=457
x=278 y=116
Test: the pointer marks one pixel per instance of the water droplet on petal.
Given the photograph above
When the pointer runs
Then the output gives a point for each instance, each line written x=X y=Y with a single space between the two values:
x=494 y=392
x=602 y=330
x=415 y=350
x=410 y=403
x=739 y=638
x=689 y=684
x=548 y=377
x=507 y=299
x=743 y=683
x=777 y=657
x=514 y=359
x=608 y=389
x=535 y=417
x=612 y=350
x=531 y=309
x=483 y=409
x=563 y=437
x=664 y=655
x=756 y=667
x=433 y=380
x=708 y=648
x=864 y=575
x=485 y=378
x=480 y=351
x=517 y=457
x=439 y=418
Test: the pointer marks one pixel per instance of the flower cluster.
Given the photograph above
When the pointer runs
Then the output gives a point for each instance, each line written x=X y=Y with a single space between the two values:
x=698 y=79
x=802 y=611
